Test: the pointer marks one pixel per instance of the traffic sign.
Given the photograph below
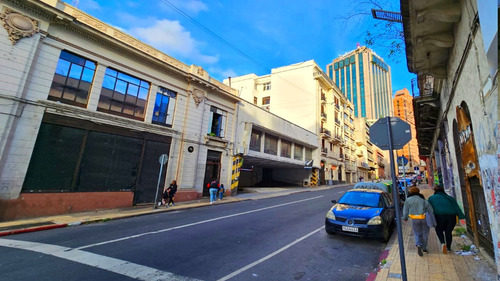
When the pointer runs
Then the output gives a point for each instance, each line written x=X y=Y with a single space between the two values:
x=402 y=161
x=401 y=133
x=163 y=159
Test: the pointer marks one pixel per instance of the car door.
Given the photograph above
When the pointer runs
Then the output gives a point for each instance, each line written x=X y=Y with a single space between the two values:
x=389 y=213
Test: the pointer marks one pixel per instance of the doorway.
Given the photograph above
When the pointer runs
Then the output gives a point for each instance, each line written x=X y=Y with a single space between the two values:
x=212 y=169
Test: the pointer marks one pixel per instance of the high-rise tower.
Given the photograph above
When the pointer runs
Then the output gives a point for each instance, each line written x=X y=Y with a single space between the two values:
x=365 y=79
x=403 y=108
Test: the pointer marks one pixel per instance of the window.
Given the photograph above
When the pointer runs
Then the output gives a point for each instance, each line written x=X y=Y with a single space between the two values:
x=267 y=86
x=308 y=154
x=217 y=122
x=271 y=145
x=266 y=100
x=254 y=100
x=123 y=95
x=255 y=140
x=164 y=107
x=72 y=80
x=297 y=152
x=286 y=149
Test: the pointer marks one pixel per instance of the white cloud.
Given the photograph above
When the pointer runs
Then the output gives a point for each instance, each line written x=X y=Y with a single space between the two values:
x=222 y=73
x=173 y=39
x=88 y=5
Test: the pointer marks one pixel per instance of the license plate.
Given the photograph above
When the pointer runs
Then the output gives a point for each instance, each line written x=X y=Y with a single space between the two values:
x=349 y=228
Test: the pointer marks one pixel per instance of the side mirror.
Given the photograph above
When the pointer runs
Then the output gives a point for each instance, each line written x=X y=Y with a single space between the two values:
x=334 y=201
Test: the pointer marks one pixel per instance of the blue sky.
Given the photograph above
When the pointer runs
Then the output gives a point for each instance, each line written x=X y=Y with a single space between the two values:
x=270 y=34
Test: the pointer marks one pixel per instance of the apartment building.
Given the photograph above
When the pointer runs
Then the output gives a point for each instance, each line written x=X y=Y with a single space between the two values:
x=366 y=155
x=304 y=95
x=403 y=108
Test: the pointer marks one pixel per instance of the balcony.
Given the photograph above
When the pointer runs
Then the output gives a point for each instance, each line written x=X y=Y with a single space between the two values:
x=324 y=150
x=323 y=116
x=337 y=121
x=325 y=133
x=336 y=138
x=323 y=98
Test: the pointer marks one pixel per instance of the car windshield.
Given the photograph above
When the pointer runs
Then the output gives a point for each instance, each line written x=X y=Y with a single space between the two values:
x=366 y=199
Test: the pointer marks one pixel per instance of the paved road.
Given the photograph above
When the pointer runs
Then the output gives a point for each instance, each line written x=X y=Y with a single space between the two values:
x=280 y=238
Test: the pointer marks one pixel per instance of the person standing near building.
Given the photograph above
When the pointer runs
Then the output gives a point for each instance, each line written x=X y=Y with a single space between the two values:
x=222 y=190
x=415 y=207
x=213 y=186
x=446 y=211
x=171 y=190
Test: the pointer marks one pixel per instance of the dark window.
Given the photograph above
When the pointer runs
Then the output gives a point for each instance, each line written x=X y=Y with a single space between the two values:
x=123 y=95
x=297 y=152
x=266 y=100
x=254 y=100
x=54 y=158
x=271 y=145
x=164 y=107
x=255 y=140
x=72 y=80
x=286 y=149
x=217 y=122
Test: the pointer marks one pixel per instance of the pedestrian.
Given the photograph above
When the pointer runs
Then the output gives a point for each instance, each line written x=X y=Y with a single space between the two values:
x=415 y=208
x=446 y=211
x=171 y=190
x=222 y=190
x=213 y=186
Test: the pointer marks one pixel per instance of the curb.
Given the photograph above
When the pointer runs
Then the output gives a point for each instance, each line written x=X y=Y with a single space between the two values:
x=32 y=229
x=373 y=275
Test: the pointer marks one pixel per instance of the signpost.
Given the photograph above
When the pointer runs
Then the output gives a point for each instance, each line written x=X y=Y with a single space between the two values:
x=163 y=160
x=403 y=161
x=391 y=133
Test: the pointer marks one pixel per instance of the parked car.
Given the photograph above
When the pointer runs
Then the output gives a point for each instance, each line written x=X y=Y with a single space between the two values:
x=363 y=213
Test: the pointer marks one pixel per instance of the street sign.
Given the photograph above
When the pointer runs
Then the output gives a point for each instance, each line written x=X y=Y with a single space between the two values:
x=401 y=133
x=163 y=159
x=402 y=161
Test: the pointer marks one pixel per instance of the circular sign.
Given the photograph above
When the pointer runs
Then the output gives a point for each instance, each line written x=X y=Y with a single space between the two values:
x=163 y=159
x=190 y=149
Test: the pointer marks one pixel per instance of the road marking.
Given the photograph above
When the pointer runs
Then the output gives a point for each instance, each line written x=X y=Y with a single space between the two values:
x=118 y=266
x=193 y=224
x=268 y=256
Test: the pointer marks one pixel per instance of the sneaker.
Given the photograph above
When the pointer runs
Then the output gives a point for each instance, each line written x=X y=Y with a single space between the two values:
x=444 y=249
x=425 y=251
x=159 y=204
x=419 y=250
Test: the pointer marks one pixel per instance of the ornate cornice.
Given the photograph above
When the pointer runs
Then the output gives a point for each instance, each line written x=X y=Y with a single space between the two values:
x=18 y=26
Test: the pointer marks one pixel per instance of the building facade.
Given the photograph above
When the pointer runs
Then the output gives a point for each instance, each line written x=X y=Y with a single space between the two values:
x=365 y=80
x=91 y=112
x=304 y=95
x=403 y=108
x=453 y=49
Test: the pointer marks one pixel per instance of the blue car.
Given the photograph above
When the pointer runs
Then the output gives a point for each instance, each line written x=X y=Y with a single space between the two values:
x=363 y=213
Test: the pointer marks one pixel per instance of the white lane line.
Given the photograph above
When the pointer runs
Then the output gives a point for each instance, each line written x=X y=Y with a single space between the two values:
x=194 y=223
x=227 y=277
x=118 y=266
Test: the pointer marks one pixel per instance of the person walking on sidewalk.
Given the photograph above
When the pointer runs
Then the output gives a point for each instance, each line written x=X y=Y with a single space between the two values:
x=415 y=207
x=213 y=186
x=446 y=211
x=222 y=190
x=171 y=190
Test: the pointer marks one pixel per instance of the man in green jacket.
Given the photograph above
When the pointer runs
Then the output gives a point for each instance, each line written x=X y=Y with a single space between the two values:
x=445 y=210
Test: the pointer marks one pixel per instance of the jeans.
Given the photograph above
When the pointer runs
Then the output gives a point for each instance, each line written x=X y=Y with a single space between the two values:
x=420 y=232
x=221 y=194
x=213 y=195
x=445 y=223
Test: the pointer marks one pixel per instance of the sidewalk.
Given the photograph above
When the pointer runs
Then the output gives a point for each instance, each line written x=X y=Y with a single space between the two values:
x=433 y=265
x=73 y=219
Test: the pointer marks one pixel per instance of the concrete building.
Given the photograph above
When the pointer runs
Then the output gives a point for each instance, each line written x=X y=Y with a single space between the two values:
x=453 y=49
x=302 y=94
x=364 y=79
x=403 y=108
x=365 y=153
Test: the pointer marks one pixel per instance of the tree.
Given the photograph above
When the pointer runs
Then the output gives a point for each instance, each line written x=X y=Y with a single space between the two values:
x=386 y=37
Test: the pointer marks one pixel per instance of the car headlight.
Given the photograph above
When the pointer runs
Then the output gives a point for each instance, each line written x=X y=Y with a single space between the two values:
x=330 y=214
x=375 y=221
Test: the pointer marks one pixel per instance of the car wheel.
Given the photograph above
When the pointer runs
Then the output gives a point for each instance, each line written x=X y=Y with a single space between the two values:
x=386 y=234
x=329 y=232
